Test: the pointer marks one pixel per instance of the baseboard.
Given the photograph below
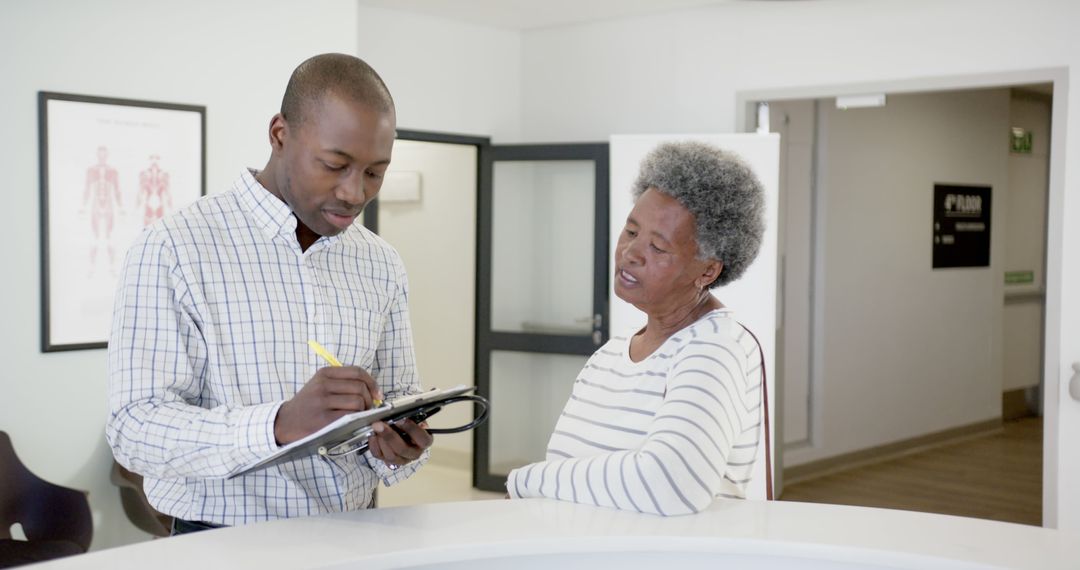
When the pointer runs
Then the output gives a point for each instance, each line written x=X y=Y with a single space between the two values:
x=1014 y=405
x=452 y=458
x=830 y=465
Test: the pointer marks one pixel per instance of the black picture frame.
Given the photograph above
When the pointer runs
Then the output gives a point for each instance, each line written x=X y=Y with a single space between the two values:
x=97 y=157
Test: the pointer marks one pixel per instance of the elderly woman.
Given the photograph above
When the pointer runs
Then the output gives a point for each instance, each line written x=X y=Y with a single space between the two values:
x=665 y=420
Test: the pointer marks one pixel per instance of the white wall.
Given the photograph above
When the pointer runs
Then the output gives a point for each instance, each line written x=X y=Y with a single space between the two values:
x=1025 y=244
x=682 y=72
x=228 y=56
x=445 y=75
x=436 y=237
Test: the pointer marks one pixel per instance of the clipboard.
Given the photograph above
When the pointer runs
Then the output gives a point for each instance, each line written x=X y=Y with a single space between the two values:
x=349 y=433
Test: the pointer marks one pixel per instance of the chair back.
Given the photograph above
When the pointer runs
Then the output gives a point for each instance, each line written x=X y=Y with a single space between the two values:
x=136 y=506
x=45 y=511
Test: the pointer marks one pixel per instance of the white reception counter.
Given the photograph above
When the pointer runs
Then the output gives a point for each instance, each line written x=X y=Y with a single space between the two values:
x=546 y=534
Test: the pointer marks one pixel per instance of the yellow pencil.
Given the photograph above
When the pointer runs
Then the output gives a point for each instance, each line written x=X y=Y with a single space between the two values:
x=321 y=351
x=318 y=348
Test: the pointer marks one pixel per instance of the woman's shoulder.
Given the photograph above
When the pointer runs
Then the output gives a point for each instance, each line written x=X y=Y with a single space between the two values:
x=614 y=347
x=611 y=355
x=718 y=325
x=718 y=329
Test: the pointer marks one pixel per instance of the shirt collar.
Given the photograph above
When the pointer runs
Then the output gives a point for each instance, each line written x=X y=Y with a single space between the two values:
x=271 y=214
x=268 y=212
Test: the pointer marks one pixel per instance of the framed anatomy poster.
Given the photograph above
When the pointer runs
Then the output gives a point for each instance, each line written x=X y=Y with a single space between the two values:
x=109 y=168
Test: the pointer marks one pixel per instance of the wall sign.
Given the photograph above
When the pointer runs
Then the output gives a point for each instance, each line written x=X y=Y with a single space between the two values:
x=1019 y=277
x=961 y=226
x=1020 y=140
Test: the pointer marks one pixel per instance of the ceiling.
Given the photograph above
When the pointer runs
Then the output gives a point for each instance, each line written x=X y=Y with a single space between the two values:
x=532 y=14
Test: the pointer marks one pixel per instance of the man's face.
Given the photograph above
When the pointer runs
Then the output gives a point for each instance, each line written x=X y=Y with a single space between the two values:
x=334 y=162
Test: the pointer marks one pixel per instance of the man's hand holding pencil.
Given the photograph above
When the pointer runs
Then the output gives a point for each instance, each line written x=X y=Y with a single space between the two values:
x=337 y=390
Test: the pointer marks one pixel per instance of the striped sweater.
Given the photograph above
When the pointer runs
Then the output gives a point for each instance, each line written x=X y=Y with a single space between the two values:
x=665 y=435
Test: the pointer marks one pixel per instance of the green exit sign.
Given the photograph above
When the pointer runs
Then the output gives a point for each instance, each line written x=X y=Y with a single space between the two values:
x=1019 y=277
x=1020 y=141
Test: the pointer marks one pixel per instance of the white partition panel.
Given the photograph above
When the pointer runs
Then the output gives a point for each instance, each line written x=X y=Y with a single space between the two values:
x=753 y=297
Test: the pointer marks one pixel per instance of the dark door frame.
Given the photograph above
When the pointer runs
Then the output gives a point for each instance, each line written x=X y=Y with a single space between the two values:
x=487 y=340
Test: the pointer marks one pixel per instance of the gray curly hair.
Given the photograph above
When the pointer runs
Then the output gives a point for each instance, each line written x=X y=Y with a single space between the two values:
x=723 y=194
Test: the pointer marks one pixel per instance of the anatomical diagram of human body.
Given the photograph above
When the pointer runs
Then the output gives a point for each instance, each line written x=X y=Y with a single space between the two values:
x=154 y=196
x=101 y=200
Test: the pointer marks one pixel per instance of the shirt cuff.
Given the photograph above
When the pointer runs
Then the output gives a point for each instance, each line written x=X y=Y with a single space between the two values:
x=255 y=428
x=397 y=474
x=514 y=485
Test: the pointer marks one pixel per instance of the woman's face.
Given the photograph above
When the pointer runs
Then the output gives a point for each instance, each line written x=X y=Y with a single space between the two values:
x=656 y=265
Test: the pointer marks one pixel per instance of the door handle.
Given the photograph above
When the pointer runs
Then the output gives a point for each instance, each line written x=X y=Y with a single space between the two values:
x=1074 y=384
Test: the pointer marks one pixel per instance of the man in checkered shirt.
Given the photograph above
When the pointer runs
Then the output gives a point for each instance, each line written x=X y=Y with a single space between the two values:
x=209 y=366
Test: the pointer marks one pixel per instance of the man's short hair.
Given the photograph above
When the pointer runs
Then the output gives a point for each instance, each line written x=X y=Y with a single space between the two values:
x=346 y=76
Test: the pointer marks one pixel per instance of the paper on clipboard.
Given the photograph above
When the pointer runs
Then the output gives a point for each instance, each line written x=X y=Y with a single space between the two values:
x=352 y=426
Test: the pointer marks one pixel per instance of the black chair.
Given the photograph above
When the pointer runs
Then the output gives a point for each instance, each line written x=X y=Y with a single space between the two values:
x=56 y=520
x=136 y=506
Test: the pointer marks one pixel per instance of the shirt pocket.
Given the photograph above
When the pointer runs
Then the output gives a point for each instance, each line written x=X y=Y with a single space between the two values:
x=358 y=331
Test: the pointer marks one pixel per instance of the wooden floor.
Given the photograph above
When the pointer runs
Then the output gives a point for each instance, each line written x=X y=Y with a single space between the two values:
x=995 y=477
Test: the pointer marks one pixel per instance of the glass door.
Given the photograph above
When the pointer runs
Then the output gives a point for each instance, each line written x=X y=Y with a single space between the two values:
x=542 y=287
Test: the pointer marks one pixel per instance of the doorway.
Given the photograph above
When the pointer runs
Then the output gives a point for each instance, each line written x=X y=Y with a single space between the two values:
x=427 y=210
x=883 y=350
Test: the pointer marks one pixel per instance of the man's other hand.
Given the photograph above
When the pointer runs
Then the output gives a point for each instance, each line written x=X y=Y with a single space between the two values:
x=401 y=443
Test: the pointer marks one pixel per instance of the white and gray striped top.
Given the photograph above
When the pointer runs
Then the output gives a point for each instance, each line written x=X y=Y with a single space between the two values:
x=665 y=435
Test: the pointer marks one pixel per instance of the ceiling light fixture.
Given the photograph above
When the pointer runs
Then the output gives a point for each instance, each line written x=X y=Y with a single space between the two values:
x=860 y=101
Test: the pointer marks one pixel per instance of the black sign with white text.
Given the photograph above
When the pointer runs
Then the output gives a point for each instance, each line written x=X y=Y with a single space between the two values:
x=961 y=226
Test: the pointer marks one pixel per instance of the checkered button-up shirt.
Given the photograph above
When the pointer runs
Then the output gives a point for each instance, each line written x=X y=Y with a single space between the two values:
x=212 y=317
